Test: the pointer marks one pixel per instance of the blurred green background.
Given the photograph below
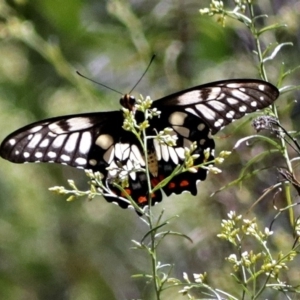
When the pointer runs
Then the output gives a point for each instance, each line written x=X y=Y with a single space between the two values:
x=51 y=249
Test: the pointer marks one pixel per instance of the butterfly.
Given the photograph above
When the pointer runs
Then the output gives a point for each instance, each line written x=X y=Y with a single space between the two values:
x=98 y=141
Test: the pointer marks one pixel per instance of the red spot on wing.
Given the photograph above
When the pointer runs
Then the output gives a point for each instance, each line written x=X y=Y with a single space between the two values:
x=171 y=185
x=184 y=183
x=142 y=200
x=128 y=191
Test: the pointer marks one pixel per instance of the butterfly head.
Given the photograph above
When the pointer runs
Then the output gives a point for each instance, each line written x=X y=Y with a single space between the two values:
x=128 y=101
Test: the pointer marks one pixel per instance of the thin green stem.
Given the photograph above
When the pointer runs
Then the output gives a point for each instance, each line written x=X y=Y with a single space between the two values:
x=263 y=72
x=150 y=217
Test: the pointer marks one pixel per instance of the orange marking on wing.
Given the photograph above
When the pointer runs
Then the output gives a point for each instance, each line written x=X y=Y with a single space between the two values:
x=184 y=183
x=142 y=199
x=171 y=185
x=128 y=191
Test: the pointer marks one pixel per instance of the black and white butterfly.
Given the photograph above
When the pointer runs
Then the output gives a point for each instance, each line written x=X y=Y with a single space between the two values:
x=97 y=140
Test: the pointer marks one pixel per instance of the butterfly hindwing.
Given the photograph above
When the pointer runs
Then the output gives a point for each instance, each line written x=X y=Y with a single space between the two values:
x=188 y=129
x=124 y=161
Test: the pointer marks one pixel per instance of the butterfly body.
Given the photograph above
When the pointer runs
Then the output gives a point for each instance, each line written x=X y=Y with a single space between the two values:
x=98 y=141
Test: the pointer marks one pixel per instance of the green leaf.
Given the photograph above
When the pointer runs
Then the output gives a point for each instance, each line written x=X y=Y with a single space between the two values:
x=271 y=27
x=276 y=50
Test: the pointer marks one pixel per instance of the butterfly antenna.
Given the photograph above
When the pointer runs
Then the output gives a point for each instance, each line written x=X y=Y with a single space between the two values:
x=99 y=83
x=152 y=58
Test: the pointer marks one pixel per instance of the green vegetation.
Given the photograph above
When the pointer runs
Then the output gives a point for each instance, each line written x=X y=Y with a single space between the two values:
x=244 y=237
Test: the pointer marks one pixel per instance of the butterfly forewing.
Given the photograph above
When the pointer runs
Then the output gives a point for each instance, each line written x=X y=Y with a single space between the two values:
x=66 y=140
x=220 y=103
x=93 y=141
x=97 y=141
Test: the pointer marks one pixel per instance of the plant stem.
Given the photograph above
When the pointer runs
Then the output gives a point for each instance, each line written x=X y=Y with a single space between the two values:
x=149 y=217
x=263 y=72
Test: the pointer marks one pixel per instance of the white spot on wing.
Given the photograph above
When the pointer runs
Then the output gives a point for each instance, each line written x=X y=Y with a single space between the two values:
x=93 y=162
x=35 y=129
x=182 y=130
x=12 y=142
x=113 y=169
x=232 y=101
x=221 y=97
x=219 y=123
x=208 y=113
x=52 y=134
x=219 y=106
x=192 y=111
x=35 y=140
x=38 y=154
x=201 y=126
x=254 y=103
x=109 y=155
x=126 y=151
x=230 y=114
x=51 y=154
x=104 y=141
x=73 y=124
x=233 y=85
x=65 y=157
x=26 y=154
x=44 y=143
x=157 y=149
x=180 y=152
x=132 y=175
x=238 y=94
x=177 y=118
x=80 y=161
x=213 y=94
x=137 y=155
x=165 y=152
x=243 y=108
x=79 y=123
x=189 y=98
x=118 y=151
x=85 y=143
x=57 y=143
x=71 y=142
x=173 y=155
x=261 y=87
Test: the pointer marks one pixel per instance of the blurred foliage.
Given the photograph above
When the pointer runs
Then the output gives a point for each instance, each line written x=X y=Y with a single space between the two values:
x=51 y=249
